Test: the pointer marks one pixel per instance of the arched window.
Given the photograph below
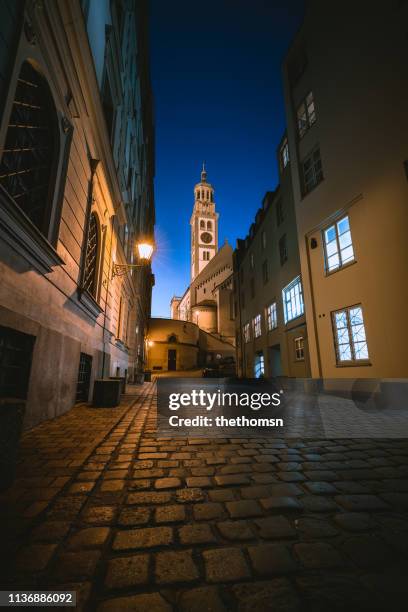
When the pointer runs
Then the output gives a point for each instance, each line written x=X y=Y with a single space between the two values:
x=209 y=225
x=91 y=257
x=30 y=155
x=172 y=339
x=202 y=224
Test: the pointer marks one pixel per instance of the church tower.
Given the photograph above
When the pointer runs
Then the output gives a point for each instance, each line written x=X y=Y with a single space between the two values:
x=204 y=226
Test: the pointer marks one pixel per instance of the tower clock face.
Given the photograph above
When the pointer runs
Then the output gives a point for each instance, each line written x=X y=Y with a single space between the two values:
x=206 y=237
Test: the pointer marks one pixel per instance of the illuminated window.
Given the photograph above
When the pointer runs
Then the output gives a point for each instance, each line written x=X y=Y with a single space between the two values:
x=246 y=332
x=292 y=297
x=299 y=348
x=338 y=245
x=259 y=365
x=256 y=326
x=284 y=154
x=312 y=170
x=349 y=335
x=306 y=114
x=271 y=316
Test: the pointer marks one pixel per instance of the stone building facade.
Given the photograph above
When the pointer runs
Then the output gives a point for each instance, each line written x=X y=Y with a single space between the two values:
x=344 y=191
x=208 y=300
x=346 y=95
x=270 y=323
x=76 y=196
x=174 y=345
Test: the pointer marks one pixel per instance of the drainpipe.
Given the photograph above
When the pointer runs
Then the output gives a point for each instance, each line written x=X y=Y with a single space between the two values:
x=112 y=219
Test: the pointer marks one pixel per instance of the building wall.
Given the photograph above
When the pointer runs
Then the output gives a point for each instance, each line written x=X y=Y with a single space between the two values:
x=184 y=339
x=194 y=346
x=42 y=291
x=255 y=290
x=362 y=133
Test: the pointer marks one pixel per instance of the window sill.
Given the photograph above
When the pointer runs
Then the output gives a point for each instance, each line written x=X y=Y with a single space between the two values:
x=354 y=364
x=89 y=303
x=24 y=238
x=306 y=193
x=345 y=266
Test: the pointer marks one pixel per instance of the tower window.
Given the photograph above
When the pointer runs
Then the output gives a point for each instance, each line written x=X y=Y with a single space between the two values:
x=202 y=224
x=90 y=271
x=209 y=225
x=30 y=155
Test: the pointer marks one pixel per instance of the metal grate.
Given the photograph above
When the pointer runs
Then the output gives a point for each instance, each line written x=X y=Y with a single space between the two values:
x=91 y=257
x=16 y=351
x=29 y=155
x=84 y=377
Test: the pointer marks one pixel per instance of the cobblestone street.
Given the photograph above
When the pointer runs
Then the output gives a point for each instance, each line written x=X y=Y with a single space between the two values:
x=133 y=522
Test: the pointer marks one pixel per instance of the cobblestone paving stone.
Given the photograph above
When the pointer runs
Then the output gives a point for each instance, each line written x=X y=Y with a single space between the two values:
x=131 y=521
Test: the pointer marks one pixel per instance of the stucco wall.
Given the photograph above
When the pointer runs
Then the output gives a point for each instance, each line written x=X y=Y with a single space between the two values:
x=362 y=132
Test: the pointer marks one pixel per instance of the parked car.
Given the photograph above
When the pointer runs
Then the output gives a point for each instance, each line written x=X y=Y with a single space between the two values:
x=224 y=368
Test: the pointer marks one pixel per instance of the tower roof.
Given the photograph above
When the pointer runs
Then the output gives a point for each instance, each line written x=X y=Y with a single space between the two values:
x=203 y=174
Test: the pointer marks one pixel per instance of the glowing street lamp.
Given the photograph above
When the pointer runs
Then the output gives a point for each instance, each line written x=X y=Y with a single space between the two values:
x=144 y=250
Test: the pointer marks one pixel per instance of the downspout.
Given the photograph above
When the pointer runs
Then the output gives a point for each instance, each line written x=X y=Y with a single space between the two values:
x=107 y=296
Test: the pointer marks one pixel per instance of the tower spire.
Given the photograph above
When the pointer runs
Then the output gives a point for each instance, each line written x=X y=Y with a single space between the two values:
x=203 y=174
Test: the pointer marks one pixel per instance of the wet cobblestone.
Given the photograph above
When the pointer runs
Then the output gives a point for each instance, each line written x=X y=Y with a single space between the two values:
x=103 y=506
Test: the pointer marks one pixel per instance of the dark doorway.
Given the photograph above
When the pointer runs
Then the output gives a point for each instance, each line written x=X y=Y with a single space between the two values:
x=16 y=350
x=171 y=359
x=84 y=377
x=275 y=362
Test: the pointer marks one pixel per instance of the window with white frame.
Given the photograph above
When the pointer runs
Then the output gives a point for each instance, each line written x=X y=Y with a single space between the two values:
x=349 y=335
x=246 y=332
x=299 y=348
x=256 y=326
x=306 y=114
x=312 y=170
x=271 y=316
x=284 y=154
x=259 y=365
x=292 y=297
x=338 y=245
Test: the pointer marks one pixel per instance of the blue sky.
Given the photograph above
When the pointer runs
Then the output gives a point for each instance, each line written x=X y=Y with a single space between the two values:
x=216 y=73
